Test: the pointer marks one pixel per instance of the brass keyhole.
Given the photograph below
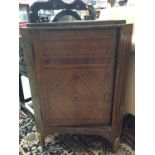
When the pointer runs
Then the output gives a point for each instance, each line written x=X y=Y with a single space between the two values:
x=108 y=99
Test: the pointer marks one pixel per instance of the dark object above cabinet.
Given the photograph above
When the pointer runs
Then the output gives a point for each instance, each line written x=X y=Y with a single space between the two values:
x=77 y=73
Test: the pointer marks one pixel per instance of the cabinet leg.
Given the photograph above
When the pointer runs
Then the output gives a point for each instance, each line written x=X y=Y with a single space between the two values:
x=115 y=145
x=42 y=140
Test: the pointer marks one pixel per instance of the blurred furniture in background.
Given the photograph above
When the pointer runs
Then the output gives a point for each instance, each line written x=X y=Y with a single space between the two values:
x=23 y=12
x=66 y=9
x=22 y=72
x=23 y=20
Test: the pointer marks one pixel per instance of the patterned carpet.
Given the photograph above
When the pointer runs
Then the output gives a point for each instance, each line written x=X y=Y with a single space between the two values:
x=62 y=144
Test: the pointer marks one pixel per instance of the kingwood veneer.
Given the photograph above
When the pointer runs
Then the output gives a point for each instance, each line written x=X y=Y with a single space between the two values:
x=77 y=74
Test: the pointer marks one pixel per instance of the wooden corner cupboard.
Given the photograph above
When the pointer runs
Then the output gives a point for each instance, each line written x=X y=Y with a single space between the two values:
x=77 y=76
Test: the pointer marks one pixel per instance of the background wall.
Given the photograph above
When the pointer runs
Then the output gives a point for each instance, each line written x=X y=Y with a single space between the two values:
x=125 y=13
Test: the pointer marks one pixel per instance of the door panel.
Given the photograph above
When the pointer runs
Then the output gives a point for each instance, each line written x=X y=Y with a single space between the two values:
x=76 y=96
x=77 y=76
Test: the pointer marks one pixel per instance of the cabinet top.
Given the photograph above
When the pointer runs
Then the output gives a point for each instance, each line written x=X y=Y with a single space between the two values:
x=76 y=24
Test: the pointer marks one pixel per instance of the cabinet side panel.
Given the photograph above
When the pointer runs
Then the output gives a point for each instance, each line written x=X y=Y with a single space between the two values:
x=124 y=47
x=30 y=63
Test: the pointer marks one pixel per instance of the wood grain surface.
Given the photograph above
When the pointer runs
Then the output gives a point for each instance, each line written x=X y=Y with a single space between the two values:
x=79 y=75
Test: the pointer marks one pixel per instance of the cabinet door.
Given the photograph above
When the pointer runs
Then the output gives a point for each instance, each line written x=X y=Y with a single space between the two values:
x=76 y=74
